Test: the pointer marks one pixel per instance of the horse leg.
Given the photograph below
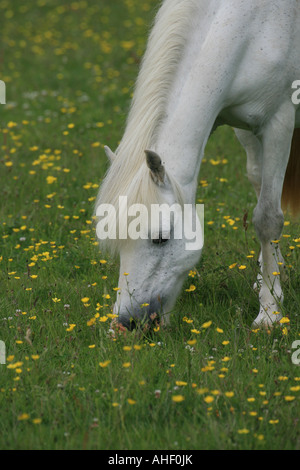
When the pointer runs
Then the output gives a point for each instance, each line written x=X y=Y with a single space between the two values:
x=268 y=217
x=253 y=147
x=254 y=151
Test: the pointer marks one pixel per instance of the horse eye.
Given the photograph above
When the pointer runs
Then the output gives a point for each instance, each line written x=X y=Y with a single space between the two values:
x=160 y=240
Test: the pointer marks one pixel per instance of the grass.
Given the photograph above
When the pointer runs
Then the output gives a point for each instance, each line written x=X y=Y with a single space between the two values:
x=208 y=381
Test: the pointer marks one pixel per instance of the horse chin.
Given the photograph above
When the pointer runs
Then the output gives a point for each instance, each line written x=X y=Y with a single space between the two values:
x=134 y=314
x=144 y=317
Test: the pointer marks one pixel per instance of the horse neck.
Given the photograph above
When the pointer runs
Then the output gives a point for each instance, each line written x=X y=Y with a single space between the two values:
x=198 y=94
x=183 y=135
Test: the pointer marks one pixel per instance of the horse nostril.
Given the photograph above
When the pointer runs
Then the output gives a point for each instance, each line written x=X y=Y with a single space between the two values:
x=128 y=323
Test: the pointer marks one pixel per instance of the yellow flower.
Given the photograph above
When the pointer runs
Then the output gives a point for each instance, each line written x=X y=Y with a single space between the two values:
x=85 y=299
x=104 y=364
x=179 y=383
x=51 y=179
x=187 y=320
x=192 y=288
x=229 y=394
x=289 y=398
x=209 y=399
x=243 y=431
x=207 y=324
x=226 y=359
x=127 y=44
x=202 y=391
x=103 y=319
x=131 y=401
x=177 y=398
x=15 y=365
x=23 y=417
x=71 y=327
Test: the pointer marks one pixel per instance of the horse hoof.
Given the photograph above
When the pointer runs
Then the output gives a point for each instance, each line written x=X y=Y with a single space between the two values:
x=266 y=321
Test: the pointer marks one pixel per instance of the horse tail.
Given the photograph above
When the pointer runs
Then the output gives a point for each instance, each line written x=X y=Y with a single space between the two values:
x=291 y=186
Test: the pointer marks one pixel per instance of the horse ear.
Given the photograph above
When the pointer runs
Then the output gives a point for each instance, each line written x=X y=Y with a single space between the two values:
x=109 y=153
x=156 y=167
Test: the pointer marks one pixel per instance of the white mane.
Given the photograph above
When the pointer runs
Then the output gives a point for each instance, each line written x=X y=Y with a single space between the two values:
x=129 y=174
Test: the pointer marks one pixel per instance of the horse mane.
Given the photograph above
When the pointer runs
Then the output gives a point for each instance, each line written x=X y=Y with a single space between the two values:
x=128 y=174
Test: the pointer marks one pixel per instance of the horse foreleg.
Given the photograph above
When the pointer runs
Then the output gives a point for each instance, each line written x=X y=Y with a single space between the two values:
x=253 y=147
x=268 y=216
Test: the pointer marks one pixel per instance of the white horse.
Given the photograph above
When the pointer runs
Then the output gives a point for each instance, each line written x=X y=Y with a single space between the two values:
x=207 y=63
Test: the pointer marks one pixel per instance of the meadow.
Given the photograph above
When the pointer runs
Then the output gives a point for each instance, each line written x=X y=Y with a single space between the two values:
x=208 y=381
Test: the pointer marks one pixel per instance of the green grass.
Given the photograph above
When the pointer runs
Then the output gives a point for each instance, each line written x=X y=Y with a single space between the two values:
x=69 y=69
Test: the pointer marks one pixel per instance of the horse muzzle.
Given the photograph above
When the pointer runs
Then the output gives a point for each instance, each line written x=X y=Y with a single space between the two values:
x=139 y=316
